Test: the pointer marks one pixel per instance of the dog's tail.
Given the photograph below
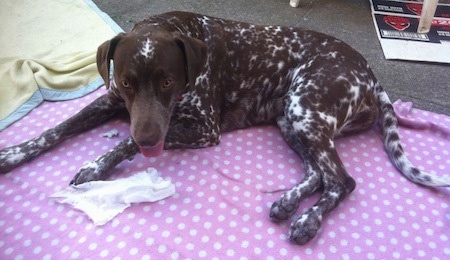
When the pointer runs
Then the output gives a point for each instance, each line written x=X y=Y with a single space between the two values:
x=394 y=148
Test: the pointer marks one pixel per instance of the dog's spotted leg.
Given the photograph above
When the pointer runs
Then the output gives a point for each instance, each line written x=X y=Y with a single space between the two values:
x=323 y=168
x=94 y=114
x=100 y=168
x=305 y=227
x=336 y=182
x=310 y=132
x=287 y=205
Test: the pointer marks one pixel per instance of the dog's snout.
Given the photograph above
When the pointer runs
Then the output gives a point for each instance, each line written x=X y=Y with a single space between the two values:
x=150 y=141
x=147 y=136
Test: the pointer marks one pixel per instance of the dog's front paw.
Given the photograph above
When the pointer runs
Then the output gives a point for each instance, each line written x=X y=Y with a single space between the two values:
x=92 y=171
x=284 y=208
x=305 y=227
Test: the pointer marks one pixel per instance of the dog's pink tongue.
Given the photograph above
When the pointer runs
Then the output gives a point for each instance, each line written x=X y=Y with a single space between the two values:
x=152 y=151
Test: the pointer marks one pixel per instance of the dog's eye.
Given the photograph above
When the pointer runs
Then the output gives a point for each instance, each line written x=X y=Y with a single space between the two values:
x=126 y=84
x=167 y=83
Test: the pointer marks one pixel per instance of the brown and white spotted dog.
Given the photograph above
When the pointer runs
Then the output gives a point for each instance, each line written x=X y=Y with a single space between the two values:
x=186 y=78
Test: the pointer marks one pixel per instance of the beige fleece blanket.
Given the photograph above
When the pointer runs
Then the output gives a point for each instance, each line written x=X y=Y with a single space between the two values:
x=47 y=52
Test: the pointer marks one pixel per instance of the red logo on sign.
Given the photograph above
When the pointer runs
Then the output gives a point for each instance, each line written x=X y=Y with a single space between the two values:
x=415 y=8
x=397 y=22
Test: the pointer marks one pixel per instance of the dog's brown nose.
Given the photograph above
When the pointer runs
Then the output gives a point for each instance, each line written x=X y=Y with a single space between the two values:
x=148 y=137
x=150 y=141
x=146 y=132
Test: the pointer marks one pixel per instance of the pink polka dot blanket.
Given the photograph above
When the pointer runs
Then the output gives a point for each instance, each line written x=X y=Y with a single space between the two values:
x=223 y=196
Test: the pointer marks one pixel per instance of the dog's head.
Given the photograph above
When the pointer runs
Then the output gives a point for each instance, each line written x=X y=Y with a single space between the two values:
x=151 y=71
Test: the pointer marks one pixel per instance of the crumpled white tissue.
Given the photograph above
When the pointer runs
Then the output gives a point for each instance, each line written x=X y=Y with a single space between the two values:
x=103 y=200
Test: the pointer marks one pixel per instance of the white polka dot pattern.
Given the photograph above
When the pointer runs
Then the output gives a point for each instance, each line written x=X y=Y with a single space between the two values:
x=223 y=197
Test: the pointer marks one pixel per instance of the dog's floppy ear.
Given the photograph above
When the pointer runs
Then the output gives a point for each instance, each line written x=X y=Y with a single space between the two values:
x=105 y=54
x=195 y=52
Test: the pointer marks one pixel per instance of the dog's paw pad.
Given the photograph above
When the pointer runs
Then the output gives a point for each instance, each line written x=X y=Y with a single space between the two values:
x=282 y=209
x=304 y=228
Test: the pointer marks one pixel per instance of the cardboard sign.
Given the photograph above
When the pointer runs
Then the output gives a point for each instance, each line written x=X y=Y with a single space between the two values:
x=396 y=23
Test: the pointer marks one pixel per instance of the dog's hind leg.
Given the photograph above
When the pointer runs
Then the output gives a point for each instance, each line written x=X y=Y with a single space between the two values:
x=306 y=226
x=323 y=169
x=309 y=128
x=92 y=115
x=287 y=205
